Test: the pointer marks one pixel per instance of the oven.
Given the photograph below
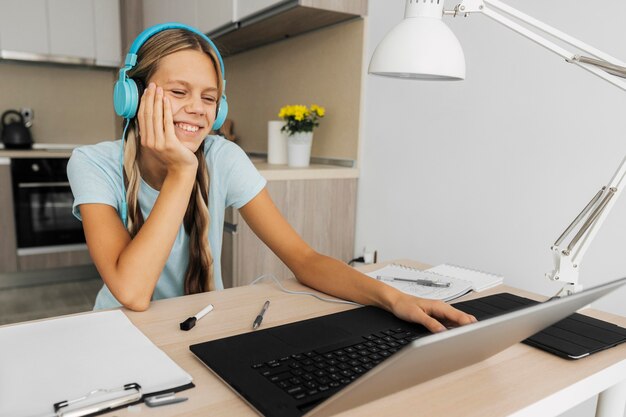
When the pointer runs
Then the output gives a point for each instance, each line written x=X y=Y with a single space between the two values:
x=43 y=200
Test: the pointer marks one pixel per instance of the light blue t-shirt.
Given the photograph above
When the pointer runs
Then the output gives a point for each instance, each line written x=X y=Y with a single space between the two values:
x=95 y=177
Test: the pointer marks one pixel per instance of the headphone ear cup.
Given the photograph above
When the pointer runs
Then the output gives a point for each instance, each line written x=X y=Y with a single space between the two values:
x=222 y=112
x=141 y=87
x=125 y=98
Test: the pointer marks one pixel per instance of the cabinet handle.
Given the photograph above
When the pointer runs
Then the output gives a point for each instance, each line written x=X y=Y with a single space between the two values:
x=42 y=184
x=230 y=228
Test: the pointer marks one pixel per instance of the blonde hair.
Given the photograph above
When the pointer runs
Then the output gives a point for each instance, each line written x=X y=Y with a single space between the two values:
x=199 y=274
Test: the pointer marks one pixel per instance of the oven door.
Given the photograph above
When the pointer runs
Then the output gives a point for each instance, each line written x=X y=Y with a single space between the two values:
x=44 y=215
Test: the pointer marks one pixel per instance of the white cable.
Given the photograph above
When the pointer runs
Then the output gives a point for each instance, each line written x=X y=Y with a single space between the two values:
x=329 y=300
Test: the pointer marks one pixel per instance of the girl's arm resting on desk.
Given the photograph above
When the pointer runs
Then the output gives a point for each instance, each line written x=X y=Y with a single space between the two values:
x=131 y=268
x=337 y=278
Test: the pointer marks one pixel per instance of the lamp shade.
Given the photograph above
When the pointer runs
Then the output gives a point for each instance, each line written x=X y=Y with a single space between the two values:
x=420 y=47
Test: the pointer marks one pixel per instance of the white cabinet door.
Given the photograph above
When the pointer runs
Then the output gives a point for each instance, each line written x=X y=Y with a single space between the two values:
x=24 y=26
x=163 y=11
x=246 y=8
x=71 y=28
x=108 y=32
x=213 y=14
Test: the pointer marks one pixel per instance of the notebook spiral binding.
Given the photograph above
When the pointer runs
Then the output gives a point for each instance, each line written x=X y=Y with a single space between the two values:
x=462 y=268
x=408 y=268
x=478 y=271
x=413 y=269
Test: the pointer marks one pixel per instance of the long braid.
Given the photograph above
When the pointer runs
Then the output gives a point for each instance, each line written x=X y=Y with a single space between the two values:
x=132 y=178
x=199 y=274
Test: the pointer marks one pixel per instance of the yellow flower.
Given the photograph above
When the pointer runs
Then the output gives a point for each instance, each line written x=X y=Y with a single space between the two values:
x=317 y=109
x=300 y=118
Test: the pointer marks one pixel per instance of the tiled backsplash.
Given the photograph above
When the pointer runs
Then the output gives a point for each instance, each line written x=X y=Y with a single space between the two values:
x=71 y=104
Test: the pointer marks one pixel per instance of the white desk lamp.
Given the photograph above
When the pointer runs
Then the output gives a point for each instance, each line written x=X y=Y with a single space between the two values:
x=423 y=47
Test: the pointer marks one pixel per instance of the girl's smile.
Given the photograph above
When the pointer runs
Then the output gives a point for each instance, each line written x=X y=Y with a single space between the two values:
x=189 y=81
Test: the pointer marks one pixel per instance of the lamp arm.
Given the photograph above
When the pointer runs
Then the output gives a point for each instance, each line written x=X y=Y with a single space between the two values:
x=567 y=260
x=610 y=194
x=595 y=66
x=600 y=64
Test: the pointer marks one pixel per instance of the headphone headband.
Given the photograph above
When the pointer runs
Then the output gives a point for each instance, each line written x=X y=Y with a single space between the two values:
x=131 y=58
x=126 y=94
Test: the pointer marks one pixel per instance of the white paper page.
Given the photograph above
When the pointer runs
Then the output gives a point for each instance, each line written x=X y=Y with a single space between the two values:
x=457 y=287
x=61 y=359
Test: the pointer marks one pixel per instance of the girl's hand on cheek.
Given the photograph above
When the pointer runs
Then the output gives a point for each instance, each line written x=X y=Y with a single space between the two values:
x=156 y=127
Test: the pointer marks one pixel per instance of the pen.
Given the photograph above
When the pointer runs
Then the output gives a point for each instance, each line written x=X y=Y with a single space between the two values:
x=191 y=321
x=424 y=282
x=259 y=318
x=163 y=399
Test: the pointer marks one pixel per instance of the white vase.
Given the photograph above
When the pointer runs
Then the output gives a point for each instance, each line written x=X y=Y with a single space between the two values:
x=276 y=142
x=299 y=149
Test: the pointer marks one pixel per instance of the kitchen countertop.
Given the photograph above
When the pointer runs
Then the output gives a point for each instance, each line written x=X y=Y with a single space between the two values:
x=314 y=171
x=270 y=172
x=40 y=150
x=35 y=153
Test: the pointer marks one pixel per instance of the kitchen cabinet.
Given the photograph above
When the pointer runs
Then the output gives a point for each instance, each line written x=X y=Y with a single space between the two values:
x=248 y=8
x=213 y=14
x=24 y=26
x=239 y=25
x=163 y=11
x=108 y=32
x=280 y=20
x=64 y=27
x=8 y=244
x=38 y=261
x=206 y=15
x=61 y=31
x=322 y=211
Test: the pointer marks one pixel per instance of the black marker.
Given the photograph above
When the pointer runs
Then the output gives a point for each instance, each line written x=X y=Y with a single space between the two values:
x=191 y=321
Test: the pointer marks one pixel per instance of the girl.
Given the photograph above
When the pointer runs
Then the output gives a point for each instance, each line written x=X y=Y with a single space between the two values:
x=179 y=180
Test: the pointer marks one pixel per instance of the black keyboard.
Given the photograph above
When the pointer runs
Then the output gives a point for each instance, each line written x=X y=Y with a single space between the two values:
x=329 y=369
x=312 y=376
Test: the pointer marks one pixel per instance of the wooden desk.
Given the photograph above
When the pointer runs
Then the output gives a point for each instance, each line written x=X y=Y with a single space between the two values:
x=520 y=381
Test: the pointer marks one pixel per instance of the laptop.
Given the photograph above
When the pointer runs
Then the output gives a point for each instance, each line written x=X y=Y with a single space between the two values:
x=326 y=365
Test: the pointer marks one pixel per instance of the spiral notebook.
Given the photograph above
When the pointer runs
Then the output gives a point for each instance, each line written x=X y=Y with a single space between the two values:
x=461 y=280
x=480 y=280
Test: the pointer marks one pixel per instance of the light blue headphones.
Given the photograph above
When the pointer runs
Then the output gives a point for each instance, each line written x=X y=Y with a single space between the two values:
x=126 y=93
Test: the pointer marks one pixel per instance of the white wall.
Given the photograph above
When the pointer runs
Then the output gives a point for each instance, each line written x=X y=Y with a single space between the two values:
x=487 y=172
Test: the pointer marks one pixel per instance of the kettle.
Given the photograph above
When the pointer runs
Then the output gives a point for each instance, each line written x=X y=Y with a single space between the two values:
x=15 y=134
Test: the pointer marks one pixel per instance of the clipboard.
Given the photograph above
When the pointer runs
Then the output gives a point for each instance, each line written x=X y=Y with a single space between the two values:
x=104 y=400
x=102 y=351
x=99 y=401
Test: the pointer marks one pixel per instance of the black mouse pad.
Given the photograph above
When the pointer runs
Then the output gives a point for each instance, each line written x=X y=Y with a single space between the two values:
x=575 y=337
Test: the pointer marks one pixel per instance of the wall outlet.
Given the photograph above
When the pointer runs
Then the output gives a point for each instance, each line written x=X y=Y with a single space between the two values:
x=28 y=114
x=370 y=255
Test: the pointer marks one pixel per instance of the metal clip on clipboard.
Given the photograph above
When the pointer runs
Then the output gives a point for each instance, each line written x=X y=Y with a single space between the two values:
x=91 y=405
